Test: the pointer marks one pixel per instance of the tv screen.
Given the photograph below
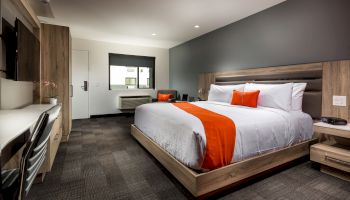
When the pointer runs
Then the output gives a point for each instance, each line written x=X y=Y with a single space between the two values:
x=8 y=39
x=28 y=54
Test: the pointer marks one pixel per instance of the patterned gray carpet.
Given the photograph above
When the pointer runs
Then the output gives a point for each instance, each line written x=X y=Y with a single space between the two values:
x=102 y=161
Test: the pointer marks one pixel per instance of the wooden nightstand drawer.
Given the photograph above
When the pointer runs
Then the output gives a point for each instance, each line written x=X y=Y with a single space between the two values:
x=332 y=156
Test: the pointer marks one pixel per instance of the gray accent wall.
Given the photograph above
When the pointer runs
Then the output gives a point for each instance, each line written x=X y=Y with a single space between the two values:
x=293 y=32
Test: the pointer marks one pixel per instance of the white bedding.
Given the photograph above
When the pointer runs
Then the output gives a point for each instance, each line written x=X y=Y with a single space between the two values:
x=258 y=130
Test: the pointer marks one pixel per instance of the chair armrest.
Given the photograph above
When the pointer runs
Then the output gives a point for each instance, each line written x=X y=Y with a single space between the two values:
x=172 y=100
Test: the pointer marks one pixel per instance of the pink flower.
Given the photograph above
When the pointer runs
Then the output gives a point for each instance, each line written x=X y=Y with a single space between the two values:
x=51 y=86
x=46 y=83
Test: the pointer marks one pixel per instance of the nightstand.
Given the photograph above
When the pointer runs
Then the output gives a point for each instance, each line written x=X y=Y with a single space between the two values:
x=334 y=152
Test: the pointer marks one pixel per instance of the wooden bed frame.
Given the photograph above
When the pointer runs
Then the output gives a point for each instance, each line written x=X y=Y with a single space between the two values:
x=200 y=184
x=203 y=183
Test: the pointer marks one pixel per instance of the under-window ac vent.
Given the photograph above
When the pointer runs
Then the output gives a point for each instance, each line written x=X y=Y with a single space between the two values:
x=131 y=102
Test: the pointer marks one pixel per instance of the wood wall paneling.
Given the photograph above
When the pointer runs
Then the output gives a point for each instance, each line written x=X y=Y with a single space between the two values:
x=336 y=81
x=55 y=66
x=28 y=12
x=271 y=70
x=204 y=82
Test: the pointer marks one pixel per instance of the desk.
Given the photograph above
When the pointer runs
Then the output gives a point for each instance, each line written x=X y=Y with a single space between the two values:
x=16 y=126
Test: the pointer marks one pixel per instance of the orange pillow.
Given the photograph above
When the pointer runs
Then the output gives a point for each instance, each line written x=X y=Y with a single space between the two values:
x=249 y=99
x=164 y=97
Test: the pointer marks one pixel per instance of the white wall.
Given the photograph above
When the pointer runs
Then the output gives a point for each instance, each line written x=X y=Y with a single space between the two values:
x=105 y=101
x=15 y=94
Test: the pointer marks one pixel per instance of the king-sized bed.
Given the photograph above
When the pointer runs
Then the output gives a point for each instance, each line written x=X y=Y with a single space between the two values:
x=258 y=130
x=264 y=137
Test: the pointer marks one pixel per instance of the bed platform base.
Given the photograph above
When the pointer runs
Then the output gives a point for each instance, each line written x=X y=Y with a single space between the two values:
x=200 y=184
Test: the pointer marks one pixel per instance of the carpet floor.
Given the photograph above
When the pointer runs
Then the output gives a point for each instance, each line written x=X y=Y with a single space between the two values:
x=101 y=160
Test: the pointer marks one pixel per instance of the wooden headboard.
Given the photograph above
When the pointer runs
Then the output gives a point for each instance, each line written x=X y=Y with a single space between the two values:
x=306 y=73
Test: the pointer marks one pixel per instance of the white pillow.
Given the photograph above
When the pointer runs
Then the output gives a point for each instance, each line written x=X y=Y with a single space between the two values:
x=297 y=96
x=273 y=95
x=223 y=93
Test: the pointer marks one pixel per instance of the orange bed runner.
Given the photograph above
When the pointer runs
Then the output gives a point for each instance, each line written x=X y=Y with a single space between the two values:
x=220 y=134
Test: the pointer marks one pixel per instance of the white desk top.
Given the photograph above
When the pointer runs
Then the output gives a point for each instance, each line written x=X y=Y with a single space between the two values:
x=339 y=127
x=15 y=122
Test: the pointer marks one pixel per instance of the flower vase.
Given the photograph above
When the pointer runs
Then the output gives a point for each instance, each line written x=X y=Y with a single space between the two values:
x=53 y=100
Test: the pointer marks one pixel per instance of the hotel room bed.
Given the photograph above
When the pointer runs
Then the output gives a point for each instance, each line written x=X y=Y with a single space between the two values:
x=258 y=130
x=266 y=137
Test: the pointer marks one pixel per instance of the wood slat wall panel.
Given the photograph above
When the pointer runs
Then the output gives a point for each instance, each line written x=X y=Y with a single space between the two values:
x=55 y=66
x=272 y=70
x=204 y=82
x=336 y=81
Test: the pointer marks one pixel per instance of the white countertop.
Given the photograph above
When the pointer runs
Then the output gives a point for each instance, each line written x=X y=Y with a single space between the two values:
x=339 y=127
x=15 y=122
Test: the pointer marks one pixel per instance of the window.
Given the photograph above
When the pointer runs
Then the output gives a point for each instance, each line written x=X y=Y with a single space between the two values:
x=130 y=81
x=144 y=77
x=130 y=72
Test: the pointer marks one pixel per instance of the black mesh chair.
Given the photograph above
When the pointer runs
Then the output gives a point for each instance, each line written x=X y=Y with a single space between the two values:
x=36 y=154
x=33 y=156
x=10 y=182
x=172 y=92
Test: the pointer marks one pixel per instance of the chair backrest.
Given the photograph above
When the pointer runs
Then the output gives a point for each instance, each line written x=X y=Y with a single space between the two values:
x=52 y=116
x=40 y=124
x=35 y=150
x=173 y=92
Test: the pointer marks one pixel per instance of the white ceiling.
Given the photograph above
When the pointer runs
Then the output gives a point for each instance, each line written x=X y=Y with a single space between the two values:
x=134 y=21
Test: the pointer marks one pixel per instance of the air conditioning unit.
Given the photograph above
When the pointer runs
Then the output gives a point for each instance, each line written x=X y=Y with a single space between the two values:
x=131 y=102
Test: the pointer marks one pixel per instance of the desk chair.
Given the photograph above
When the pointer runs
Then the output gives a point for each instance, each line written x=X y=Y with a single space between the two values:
x=17 y=182
x=10 y=184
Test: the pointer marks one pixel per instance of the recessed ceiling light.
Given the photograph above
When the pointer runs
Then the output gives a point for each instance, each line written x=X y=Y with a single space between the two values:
x=154 y=34
x=196 y=26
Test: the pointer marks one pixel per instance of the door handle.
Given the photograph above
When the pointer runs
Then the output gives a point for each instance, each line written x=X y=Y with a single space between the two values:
x=85 y=86
x=71 y=90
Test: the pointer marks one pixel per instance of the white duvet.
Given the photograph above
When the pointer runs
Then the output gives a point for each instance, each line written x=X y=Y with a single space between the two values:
x=258 y=130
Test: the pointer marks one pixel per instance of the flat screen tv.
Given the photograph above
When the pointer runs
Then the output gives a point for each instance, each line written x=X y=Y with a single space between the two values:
x=28 y=54
x=9 y=41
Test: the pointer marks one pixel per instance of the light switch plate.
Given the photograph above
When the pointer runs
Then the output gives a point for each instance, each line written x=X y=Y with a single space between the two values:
x=339 y=100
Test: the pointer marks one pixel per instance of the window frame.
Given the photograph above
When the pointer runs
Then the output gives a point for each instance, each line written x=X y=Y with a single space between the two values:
x=152 y=87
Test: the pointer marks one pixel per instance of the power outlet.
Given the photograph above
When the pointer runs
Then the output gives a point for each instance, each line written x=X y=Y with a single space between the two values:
x=339 y=100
